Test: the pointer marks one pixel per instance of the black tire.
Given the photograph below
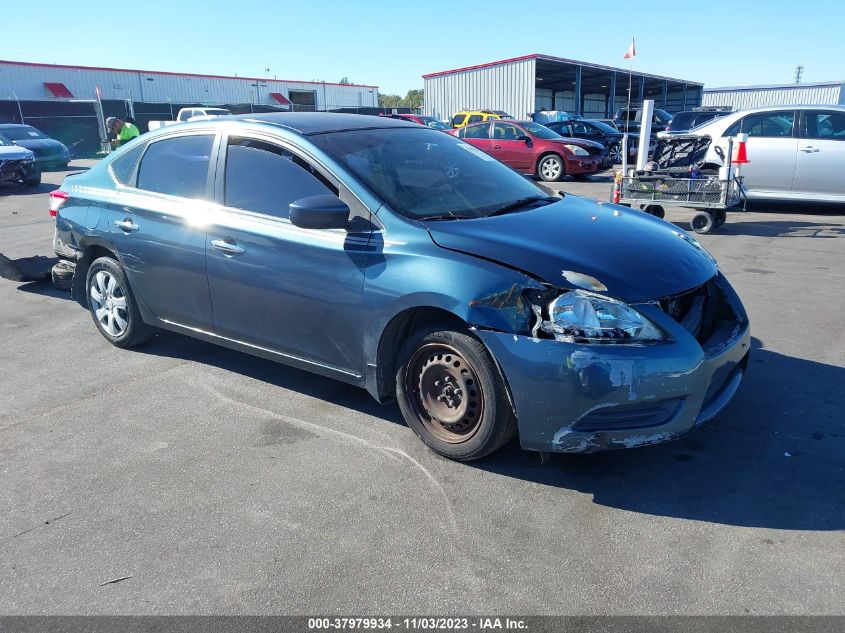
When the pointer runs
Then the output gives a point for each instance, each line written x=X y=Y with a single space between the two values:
x=721 y=217
x=34 y=181
x=702 y=222
x=473 y=396
x=551 y=168
x=135 y=332
x=656 y=210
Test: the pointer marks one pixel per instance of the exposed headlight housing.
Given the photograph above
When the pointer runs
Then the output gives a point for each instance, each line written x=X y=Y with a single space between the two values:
x=579 y=315
x=577 y=150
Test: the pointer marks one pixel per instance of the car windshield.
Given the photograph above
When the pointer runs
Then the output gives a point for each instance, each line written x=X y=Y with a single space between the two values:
x=217 y=112
x=425 y=174
x=22 y=133
x=603 y=127
x=540 y=131
x=436 y=124
x=662 y=115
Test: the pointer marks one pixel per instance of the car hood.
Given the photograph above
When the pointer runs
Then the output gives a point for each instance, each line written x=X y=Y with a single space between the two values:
x=14 y=153
x=580 y=142
x=636 y=256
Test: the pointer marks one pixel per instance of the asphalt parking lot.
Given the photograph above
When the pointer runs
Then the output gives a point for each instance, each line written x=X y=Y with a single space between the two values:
x=214 y=482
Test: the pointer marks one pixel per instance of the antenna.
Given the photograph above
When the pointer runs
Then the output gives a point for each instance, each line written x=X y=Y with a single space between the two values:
x=799 y=70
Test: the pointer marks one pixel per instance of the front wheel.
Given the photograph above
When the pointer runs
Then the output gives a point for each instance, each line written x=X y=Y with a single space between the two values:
x=451 y=394
x=551 y=168
x=702 y=222
x=113 y=306
x=33 y=181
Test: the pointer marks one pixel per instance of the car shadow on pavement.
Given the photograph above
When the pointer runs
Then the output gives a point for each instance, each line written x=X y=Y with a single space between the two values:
x=775 y=228
x=775 y=458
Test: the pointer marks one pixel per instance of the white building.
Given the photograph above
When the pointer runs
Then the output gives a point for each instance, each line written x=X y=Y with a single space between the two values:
x=28 y=81
x=744 y=97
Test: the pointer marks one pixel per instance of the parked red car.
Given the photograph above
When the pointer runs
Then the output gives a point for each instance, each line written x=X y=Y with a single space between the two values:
x=531 y=148
x=428 y=121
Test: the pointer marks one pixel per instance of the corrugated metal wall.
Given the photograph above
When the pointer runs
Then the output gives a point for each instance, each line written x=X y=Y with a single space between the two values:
x=508 y=87
x=744 y=98
x=27 y=83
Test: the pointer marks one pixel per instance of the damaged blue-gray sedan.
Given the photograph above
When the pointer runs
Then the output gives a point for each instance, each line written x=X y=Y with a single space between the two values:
x=402 y=260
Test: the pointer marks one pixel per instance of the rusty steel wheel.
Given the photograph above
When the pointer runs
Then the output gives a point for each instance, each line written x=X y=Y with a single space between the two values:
x=445 y=392
x=451 y=393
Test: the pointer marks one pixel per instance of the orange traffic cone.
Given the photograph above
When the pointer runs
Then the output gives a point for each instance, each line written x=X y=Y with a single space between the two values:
x=617 y=187
x=741 y=156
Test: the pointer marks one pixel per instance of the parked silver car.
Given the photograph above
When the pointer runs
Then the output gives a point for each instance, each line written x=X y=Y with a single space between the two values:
x=796 y=152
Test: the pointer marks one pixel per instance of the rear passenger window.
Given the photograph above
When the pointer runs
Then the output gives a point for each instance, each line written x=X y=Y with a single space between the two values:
x=123 y=167
x=474 y=118
x=825 y=125
x=478 y=131
x=266 y=178
x=177 y=166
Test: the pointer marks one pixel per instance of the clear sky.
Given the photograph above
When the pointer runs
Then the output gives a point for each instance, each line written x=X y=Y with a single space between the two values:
x=391 y=44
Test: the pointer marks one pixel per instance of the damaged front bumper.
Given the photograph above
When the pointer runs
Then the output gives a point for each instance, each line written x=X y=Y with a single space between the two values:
x=580 y=398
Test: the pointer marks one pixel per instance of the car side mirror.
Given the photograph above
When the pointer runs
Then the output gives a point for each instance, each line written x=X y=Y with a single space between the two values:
x=524 y=138
x=319 y=212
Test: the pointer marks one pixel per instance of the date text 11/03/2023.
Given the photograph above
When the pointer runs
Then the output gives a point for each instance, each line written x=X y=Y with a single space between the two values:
x=416 y=623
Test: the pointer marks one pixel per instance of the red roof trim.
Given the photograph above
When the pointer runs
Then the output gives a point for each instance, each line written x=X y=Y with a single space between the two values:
x=165 y=72
x=487 y=65
x=59 y=90
x=278 y=96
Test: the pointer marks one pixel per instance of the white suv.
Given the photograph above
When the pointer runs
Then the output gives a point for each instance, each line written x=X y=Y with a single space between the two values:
x=795 y=152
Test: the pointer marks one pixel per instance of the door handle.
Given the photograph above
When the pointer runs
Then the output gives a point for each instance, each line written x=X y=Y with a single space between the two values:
x=227 y=248
x=810 y=149
x=127 y=225
x=497 y=147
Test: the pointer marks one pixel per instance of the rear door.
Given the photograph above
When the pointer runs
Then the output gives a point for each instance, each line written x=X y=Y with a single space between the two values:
x=505 y=147
x=821 y=154
x=159 y=224
x=294 y=291
x=478 y=136
x=772 y=148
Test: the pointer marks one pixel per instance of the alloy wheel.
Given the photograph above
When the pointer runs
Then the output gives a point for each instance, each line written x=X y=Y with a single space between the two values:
x=550 y=168
x=108 y=301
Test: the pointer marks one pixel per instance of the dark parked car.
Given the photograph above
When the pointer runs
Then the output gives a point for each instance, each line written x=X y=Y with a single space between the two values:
x=632 y=120
x=49 y=153
x=598 y=132
x=17 y=164
x=402 y=260
x=685 y=121
x=531 y=148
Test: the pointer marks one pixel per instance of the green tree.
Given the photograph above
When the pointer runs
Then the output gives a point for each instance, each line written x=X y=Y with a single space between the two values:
x=389 y=101
x=414 y=99
x=344 y=81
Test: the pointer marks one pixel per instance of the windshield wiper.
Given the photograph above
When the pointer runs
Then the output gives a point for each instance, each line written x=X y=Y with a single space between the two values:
x=518 y=204
x=442 y=216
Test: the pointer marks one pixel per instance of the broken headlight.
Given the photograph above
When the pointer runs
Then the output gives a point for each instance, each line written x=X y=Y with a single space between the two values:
x=580 y=315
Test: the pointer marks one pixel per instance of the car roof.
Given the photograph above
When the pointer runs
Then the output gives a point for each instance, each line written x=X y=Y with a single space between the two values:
x=306 y=123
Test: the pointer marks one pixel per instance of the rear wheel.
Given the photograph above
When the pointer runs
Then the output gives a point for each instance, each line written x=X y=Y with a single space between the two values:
x=451 y=394
x=551 y=168
x=721 y=218
x=113 y=306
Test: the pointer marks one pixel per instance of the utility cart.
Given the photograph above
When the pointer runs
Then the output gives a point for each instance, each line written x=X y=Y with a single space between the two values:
x=677 y=177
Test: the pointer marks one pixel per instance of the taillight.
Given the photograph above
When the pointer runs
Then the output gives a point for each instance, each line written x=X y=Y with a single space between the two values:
x=57 y=199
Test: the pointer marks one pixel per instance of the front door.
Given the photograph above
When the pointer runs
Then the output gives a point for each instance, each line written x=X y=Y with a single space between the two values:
x=478 y=135
x=772 y=148
x=506 y=148
x=821 y=154
x=298 y=292
x=159 y=228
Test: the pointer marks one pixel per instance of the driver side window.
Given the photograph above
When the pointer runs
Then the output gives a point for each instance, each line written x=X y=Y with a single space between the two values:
x=265 y=178
x=764 y=124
